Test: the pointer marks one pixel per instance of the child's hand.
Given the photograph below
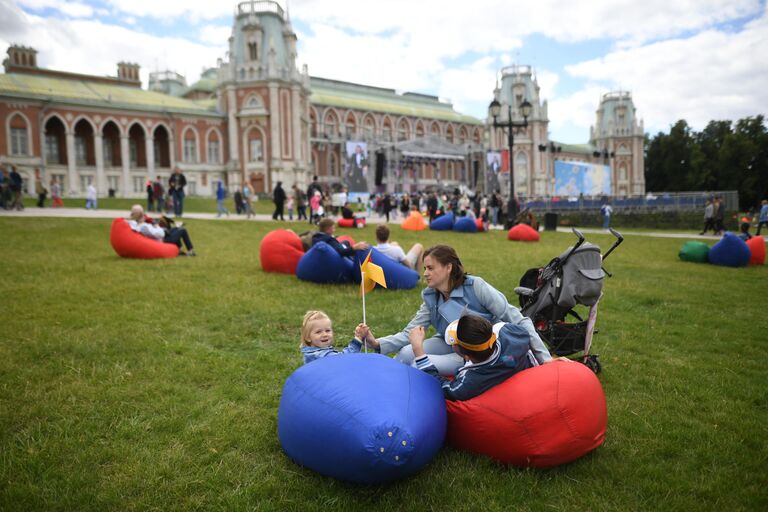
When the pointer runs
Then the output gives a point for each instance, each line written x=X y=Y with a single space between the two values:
x=361 y=331
x=416 y=337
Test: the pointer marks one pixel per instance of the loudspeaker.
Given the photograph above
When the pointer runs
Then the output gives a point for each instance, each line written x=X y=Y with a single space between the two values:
x=381 y=162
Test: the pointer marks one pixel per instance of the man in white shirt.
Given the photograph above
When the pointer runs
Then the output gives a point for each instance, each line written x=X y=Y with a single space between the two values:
x=413 y=259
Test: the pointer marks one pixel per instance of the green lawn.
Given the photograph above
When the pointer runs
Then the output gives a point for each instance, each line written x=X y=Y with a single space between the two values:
x=191 y=204
x=154 y=385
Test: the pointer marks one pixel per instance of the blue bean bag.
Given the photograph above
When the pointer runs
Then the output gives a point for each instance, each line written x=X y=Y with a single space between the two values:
x=465 y=225
x=322 y=264
x=363 y=418
x=398 y=276
x=730 y=251
x=442 y=223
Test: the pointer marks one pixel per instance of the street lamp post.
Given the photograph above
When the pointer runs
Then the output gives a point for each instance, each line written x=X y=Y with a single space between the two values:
x=525 y=110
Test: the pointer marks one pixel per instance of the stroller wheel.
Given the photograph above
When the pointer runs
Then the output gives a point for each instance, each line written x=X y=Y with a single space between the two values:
x=593 y=363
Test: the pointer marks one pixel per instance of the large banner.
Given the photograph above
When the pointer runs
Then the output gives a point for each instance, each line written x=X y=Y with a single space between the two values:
x=356 y=167
x=574 y=178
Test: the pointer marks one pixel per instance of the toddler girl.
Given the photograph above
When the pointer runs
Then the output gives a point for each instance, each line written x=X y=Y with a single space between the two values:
x=317 y=337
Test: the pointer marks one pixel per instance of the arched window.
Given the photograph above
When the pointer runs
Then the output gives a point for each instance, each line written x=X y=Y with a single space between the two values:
x=419 y=129
x=351 y=126
x=463 y=136
x=449 y=135
x=162 y=147
x=331 y=123
x=110 y=142
x=137 y=146
x=19 y=135
x=403 y=130
x=333 y=165
x=190 y=146
x=84 y=152
x=255 y=146
x=214 y=148
x=370 y=127
x=387 y=129
x=55 y=145
x=435 y=129
x=313 y=122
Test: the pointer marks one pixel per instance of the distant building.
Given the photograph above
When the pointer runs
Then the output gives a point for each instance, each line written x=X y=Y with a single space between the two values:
x=256 y=118
x=616 y=139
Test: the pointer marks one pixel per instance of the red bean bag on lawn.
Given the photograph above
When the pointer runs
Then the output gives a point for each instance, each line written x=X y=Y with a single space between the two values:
x=541 y=417
x=346 y=238
x=414 y=222
x=523 y=233
x=352 y=223
x=280 y=251
x=756 y=246
x=480 y=225
x=127 y=243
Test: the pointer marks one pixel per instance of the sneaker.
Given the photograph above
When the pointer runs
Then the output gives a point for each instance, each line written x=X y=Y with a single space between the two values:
x=192 y=253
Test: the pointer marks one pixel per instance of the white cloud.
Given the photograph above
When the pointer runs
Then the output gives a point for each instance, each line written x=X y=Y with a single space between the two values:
x=711 y=75
x=215 y=34
x=68 y=45
x=76 y=10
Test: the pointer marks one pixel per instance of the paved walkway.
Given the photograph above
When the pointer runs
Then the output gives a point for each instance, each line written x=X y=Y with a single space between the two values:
x=111 y=214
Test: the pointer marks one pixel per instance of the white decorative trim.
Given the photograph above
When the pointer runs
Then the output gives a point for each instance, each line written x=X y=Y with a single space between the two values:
x=221 y=144
x=197 y=144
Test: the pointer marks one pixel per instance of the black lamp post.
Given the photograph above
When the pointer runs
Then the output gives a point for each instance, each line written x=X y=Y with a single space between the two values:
x=525 y=110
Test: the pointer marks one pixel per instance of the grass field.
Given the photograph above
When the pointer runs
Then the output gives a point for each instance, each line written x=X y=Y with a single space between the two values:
x=154 y=385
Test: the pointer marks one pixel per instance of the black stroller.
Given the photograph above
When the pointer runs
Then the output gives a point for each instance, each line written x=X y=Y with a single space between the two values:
x=548 y=295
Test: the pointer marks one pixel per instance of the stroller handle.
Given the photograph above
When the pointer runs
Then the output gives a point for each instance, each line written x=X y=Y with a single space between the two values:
x=618 y=241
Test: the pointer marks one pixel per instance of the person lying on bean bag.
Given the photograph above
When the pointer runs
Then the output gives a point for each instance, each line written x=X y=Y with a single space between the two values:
x=492 y=354
x=413 y=259
x=325 y=230
x=159 y=229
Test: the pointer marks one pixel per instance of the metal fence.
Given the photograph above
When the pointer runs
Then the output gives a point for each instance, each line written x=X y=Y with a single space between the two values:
x=651 y=202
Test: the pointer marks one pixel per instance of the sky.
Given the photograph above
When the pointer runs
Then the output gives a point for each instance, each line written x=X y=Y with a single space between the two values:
x=697 y=60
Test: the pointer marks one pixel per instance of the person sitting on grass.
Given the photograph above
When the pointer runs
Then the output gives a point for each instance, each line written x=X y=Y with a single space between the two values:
x=161 y=230
x=326 y=228
x=317 y=338
x=412 y=260
x=492 y=354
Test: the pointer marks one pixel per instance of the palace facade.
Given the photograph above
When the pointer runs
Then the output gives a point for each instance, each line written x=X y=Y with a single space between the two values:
x=256 y=117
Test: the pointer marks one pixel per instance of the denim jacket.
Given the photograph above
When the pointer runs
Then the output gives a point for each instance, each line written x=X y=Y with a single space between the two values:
x=479 y=298
x=313 y=353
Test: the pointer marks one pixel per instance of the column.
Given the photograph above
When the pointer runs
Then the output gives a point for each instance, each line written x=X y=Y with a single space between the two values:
x=296 y=125
x=125 y=158
x=274 y=127
x=172 y=153
x=98 y=148
x=234 y=148
x=74 y=186
x=150 y=153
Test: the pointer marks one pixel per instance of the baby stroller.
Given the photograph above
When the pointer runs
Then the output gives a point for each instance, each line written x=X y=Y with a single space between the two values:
x=549 y=295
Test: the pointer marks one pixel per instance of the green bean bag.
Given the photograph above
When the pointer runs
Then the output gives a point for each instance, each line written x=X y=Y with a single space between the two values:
x=694 y=251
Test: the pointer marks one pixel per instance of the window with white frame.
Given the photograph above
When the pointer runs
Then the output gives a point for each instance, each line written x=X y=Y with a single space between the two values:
x=191 y=188
x=81 y=152
x=85 y=180
x=139 y=184
x=52 y=149
x=214 y=155
x=107 y=147
x=133 y=151
x=19 y=142
x=113 y=182
x=190 y=149
x=255 y=150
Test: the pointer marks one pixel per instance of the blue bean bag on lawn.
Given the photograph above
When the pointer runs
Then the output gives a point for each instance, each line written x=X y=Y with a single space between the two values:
x=443 y=223
x=322 y=264
x=335 y=419
x=398 y=276
x=730 y=251
x=465 y=225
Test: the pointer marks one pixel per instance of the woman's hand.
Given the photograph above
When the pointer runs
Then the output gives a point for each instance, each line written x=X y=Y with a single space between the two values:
x=416 y=337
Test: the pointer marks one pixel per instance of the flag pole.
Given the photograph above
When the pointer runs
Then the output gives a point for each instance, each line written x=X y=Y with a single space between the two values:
x=362 y=290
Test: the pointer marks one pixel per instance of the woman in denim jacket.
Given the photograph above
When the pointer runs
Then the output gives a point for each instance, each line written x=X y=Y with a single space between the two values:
x=450 y=293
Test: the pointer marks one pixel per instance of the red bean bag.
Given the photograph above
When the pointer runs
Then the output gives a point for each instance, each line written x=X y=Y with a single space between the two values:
x=346 y=238
x=480 y=225
x=127 y=243
x=358 y=222
x=414 y=222
x=541 y=417
x=280 y=251
x=523 y=233
x=756 y=246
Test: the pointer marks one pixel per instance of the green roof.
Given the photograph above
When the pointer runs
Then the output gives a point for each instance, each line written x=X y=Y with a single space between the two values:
x=586 y=149
x=82 y=92
x=361 y=97
x=204 y=84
